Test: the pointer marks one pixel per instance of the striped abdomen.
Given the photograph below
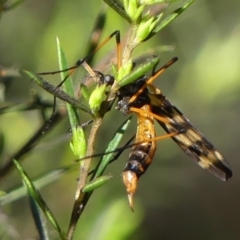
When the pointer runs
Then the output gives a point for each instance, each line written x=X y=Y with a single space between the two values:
x=142 y=154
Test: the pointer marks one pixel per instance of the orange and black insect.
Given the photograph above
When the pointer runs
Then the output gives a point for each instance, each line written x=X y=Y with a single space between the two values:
x=143 y=151
x=149 y=103
x=145 y=100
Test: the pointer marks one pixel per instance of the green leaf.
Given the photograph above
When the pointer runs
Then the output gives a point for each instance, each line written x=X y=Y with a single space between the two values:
x=97 y=97
x=111 y=147
x=96 y=183
x=149 y=2
x=40 y=222
x=38 y=198
x=134 y=10
x=144 y=29
x=39 y=183
x=78 y=144
x=68 y=86
x=173 y=16
x=140 y=71
x=118 y=7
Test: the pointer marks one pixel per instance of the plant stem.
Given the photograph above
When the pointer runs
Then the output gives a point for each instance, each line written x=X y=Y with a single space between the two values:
x=79 y=203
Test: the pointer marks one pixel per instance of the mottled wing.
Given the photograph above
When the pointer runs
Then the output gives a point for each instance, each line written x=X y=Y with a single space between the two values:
x=189 y=138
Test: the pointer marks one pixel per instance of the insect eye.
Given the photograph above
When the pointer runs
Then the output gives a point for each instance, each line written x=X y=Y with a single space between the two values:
x=108 y=79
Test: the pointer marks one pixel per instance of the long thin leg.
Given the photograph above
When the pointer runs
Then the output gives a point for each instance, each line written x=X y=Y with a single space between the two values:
x=86 y=66
x=152 y=78
x=161 y=119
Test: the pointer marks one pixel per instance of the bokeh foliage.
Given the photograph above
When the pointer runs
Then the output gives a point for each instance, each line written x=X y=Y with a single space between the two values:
x=178 y=199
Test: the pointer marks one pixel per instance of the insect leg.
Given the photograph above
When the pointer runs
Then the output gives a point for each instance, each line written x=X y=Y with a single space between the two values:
x=152 y=78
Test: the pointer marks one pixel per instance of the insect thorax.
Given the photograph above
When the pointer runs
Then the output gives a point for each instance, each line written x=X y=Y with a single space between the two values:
x=125 y=93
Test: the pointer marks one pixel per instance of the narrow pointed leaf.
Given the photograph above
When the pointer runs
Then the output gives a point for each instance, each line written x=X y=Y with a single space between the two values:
x=118 y=7
x=96 y=183
x=38 y=198
x=41 y=182
x=173 y=15
x=40 y=222
x=111 y=146
x=68 y=86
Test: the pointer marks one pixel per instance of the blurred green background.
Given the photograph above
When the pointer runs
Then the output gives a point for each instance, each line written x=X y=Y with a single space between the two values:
x=176 y=199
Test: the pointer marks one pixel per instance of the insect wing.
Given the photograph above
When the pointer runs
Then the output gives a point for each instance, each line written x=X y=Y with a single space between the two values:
x=189 y=138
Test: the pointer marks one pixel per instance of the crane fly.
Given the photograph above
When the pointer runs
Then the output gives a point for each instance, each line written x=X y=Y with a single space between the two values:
x=138 y=95
x=149 y=103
